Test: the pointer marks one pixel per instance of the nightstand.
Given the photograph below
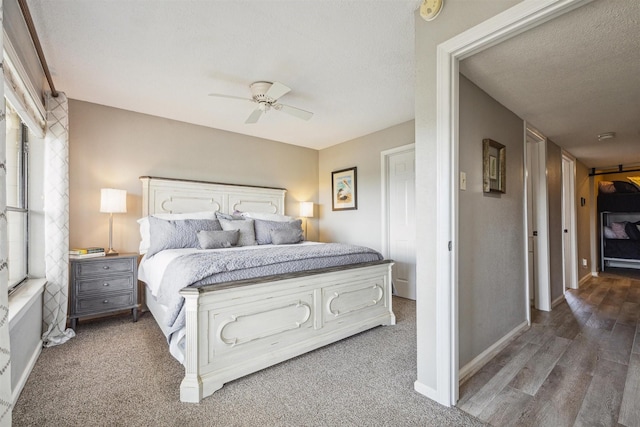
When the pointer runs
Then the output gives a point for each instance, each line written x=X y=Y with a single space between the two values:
x=98 y=286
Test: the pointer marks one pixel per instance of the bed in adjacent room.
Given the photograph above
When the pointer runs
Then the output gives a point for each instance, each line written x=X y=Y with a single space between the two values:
x=236 y=293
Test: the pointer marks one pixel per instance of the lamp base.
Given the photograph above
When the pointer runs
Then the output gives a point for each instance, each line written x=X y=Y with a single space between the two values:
x=111 y=252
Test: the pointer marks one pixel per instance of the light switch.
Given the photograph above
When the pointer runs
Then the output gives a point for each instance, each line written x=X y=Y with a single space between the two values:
x=463 y=181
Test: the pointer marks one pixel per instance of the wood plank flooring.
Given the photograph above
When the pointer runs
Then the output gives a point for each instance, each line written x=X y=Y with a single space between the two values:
x=578 y=365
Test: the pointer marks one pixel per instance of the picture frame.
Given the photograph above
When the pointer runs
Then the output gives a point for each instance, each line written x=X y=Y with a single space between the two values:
x=344 y=189
x=494 y=166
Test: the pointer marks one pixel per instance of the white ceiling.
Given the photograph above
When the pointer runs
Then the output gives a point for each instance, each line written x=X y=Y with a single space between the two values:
x=573 y=78
x=350 y=62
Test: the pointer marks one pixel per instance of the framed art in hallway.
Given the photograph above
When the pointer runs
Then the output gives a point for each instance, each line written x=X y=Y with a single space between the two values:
x=344 y=189
x=493 y=166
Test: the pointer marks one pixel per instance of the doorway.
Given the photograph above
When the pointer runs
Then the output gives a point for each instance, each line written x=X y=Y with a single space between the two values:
x=399 y=218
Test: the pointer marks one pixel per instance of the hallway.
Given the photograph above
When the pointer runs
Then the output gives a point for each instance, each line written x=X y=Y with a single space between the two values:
x=577 y=365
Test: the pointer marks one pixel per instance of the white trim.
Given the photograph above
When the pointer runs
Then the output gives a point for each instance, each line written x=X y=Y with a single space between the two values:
x=585 y=279
x=525 y=226
x=21 y=300
x=384 y=192
x=513 y=21
x=573 y=262
x=425 y=390
x=557 y=301
x=480 y=360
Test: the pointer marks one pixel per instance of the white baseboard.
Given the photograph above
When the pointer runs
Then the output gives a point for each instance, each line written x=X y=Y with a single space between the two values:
x=557 y=301
x=25 y=374
x=425 y=390
x=585 y=278
x=480 y=360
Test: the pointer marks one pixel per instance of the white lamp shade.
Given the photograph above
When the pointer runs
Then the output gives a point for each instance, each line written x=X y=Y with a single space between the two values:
x=306 y=209
x=113 y=201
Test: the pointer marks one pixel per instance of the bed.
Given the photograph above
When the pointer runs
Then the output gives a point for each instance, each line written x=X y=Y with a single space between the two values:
x=237 y=327
x=619 y=210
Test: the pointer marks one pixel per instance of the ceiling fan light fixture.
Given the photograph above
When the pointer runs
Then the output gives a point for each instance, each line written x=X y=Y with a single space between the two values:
x=606 y=135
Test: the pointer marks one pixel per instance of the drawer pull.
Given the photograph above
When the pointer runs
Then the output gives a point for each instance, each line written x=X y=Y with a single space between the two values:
x=105 y=284
x=105 y=301
x=106 y=267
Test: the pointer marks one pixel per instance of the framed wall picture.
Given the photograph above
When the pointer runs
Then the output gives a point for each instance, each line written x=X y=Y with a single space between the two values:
x=344 y=189
x=494 y=166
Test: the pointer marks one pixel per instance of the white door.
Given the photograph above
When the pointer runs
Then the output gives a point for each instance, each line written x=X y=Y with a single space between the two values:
x=569 y=255
x=538 y=222
x=399 y=168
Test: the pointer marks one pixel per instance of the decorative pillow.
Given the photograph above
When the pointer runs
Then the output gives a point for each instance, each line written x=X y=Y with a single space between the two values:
x=264 y=227
x=608 y=233
x=285 y=236
x=229 y=217
x=625 y=187
x=176 y=234
x=145 y=238
x=618 y=230
x=267 y=216
x=245 y=226
x=606 y=187
x=218 y=239
x=632 y=231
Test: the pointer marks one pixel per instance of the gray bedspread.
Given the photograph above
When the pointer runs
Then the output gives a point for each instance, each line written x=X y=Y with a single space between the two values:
x=207 y=267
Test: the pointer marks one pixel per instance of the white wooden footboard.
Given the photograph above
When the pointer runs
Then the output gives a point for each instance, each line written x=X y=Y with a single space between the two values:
x=237 y=329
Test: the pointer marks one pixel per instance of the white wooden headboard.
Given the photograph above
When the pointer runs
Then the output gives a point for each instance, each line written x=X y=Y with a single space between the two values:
x=167 y=195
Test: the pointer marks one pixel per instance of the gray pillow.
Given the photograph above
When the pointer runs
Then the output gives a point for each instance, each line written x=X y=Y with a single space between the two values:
x=285 y=236
x=218 y=239
x=263 y=229
x=176 y=234
x=245 y=226
x=221 y=215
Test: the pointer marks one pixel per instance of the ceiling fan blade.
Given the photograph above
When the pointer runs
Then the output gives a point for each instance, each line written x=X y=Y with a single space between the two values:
x=253 y=117
x=297 y=112
x=220 y=95
x=276 y=90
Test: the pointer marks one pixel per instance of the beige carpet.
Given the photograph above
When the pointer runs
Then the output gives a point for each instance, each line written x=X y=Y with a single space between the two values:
x=119 y=373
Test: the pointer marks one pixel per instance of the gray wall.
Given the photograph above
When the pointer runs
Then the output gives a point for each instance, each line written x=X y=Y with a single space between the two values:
x=361 y=226
x=554 y=197
x=456 y=17
x=491 y=292
x=110 y=147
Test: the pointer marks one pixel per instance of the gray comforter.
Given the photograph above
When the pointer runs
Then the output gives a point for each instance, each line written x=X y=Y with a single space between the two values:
x=207 y=267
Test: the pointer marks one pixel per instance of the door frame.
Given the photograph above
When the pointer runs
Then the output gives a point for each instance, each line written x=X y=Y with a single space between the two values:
x=384 y=192
x=513 y=21
x=542 y=288
x=572 y=262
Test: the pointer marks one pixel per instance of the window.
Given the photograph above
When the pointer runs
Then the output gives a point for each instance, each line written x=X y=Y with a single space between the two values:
x=17 y=198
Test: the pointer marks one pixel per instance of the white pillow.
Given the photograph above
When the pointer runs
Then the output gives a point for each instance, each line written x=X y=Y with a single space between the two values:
x=145 y=236
x=267 y=216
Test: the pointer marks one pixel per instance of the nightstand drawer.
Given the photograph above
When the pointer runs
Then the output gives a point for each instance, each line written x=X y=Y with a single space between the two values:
x=107 y=284
x=93 y=268
x=104 y=303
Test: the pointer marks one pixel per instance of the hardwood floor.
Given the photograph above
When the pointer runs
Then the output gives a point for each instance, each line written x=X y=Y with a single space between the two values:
x=578 y=365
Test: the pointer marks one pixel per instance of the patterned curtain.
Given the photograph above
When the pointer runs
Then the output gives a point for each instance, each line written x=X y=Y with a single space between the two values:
x=5 y=354
x=56 y=211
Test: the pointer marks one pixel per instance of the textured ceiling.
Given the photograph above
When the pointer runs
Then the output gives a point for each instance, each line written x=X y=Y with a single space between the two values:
x=350 y=62
x=573 y=78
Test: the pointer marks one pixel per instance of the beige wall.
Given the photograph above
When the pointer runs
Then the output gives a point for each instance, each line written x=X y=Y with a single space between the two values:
x=110 y=147
x=491 y=277
x=456 y=17
x=362 y=226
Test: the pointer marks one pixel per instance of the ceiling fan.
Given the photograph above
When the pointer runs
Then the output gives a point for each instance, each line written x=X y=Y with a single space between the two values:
x=266 y=95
